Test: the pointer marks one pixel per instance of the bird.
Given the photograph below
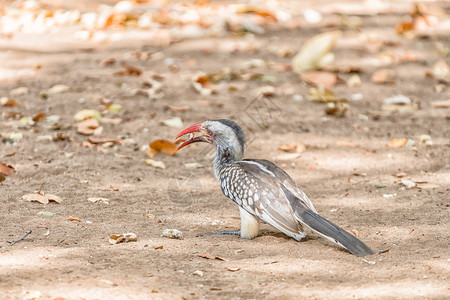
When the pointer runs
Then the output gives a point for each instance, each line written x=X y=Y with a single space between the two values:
x=262 y=190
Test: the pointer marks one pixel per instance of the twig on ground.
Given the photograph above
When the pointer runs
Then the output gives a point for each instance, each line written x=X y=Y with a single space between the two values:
x=22 y=238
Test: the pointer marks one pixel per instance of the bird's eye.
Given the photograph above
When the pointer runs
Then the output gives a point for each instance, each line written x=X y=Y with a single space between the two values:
x=209 y=132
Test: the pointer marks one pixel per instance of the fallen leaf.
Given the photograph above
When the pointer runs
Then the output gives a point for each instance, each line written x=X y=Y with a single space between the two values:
x=6 y=169
x=164 y=146
x=408 y=183
x=41 y=198
x=354 y=80
x=395 y=143
x=441 y=104
x=321 y=95
x=114 y=108
x=336 y=108
x=88 y=127
x=98 y=200
x=320 y=78
x=400 y=108
x=155 y=163
x=401 y=175
x=122 y=238
x=158 y=247
x=203 y=85
x=172 y=234
x=209 y=256
x=128 y=70
x=96 y=140
x=441 y=71
x=384 y=76
x=53 y=198
x=70 y=218
x=247 y=8
x=47 y=214
x=194 y=165
x=4 y=101
x=87 y=114
x=389 y=195
x=427 y=186
x=397 y=100
x=233 y=269
x=57 y=89
x=107 y=61
x=178 y=108
x=297 y=148
x=175 y=122
x=114 y=121
x=38 y=117
x=198 y=273
x=346 y=144
x=315 y=52
x=113 y=188
x=18 y=91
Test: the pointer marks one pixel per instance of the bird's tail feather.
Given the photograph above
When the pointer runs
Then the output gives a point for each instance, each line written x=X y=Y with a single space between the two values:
x=335 y=233
x=326 y=228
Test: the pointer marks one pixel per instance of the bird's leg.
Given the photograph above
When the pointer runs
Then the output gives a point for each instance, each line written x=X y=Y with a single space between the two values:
x=223 y=233
x=249 y=227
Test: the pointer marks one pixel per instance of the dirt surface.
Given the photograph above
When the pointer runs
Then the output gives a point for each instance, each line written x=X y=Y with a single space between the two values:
x=347 y=170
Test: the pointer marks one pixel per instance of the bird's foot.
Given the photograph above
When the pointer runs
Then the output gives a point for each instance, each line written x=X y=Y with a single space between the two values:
x=238 y=233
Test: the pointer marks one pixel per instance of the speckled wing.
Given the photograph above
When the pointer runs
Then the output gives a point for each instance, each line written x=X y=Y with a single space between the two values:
x=285 y=180
x=258 y=191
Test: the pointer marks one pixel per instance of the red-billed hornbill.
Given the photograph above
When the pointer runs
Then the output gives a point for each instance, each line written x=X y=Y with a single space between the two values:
x=262 y=190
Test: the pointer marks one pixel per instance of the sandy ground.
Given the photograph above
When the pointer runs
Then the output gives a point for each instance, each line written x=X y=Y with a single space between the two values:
x=347 y=170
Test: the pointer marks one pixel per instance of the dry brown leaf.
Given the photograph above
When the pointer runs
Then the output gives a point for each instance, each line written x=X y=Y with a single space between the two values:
x=296 y=148
x=128 y=70
x=114 y=188
x=41 y=198
x=441 y=104
x=427 y=186
x=38 y=117
x=320 y=78
x=107 y=61
x=202 y=84
x=98 y=200
x=209 y=256
x=384 y=76
x=122 y=238
x=233 y=269
x=178 y=108
x=395 y=143
x=246 y=9
x=164 y=146
x=336 y=108
x=95 y=140
x=35 y=198
x=6 y=169
x=401 y=175
x=4 y=101
x=70 y=218
x=88 y=127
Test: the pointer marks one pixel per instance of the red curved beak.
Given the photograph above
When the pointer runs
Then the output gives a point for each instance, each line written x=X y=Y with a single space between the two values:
x=191 y=130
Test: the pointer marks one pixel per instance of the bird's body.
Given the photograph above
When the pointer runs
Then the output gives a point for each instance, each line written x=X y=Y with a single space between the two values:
x=263 y=191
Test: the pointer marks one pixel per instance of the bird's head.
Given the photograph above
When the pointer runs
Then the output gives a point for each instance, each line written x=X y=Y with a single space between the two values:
x=225 y=134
